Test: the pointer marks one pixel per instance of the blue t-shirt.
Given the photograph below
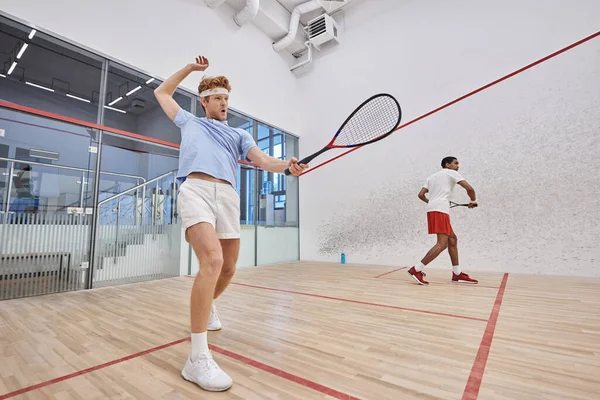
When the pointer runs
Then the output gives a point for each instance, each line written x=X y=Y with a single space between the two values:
x=210 y=146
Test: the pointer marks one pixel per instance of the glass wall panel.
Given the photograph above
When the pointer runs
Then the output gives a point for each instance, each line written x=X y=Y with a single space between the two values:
x=277 y=226
x=47 y=170
x=45 y=204
x=246 y=184
x=138 y=234
x=132 y=107
x=128 y=162
x=36 y=145
x=39 y=71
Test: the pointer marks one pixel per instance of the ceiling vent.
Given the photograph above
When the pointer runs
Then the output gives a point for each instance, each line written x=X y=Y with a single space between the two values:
x=322 y=30
x=138 y=104
x=333 y=5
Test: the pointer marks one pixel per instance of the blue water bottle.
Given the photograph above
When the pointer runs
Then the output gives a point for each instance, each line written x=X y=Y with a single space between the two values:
x=343 y=258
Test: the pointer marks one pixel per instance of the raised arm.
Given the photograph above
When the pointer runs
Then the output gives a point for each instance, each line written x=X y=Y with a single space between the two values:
x=272 y=164
x=164 y=93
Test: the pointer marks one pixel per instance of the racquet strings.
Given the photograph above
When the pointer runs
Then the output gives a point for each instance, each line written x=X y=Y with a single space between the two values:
x=375 y=118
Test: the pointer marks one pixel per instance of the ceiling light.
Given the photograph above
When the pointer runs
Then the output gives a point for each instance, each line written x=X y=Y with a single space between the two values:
x=116 y=109
x=48 y=155
x=133 y=91
x=115 y=100
x=150 y=81
x=12 y=67
x=33 y=31
x=78 y=98
x=22 y=50
x=38 y=86
x=4 y=76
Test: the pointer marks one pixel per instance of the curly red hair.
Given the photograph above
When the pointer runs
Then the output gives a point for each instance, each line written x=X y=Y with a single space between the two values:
x=213 y=83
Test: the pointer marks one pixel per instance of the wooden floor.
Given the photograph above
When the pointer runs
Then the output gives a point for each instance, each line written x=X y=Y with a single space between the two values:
x=313 y=331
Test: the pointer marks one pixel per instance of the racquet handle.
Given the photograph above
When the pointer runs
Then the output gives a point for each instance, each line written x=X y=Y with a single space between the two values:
x=308 y=159
x=303 y=161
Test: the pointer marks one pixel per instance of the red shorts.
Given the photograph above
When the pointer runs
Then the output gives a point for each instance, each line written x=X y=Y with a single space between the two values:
x=439 y=222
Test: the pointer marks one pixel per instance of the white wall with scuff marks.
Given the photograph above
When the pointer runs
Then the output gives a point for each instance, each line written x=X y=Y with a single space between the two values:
x=530 y=145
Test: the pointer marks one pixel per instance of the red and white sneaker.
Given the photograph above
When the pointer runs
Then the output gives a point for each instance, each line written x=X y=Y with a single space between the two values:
x=462 y=277
x=418 y=276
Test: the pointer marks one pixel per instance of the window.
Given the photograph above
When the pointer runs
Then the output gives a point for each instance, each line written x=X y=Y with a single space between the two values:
x=280 y=202
x=237 y=120
x=245 y=181
x=130 y=104
x=280 y=145
x=4 y=172
x=45 y=73
x=42 y=72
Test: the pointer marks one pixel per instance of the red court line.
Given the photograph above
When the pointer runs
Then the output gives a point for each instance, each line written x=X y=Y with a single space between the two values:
x=474 y=382
x=541 y=60
x=384 y=274
x=362 y=302
x=285 y=375
x=446 y=283
x=87 y=370
x=280 y=373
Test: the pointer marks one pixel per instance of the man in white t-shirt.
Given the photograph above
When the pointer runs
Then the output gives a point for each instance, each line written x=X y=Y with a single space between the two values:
x=440 y=187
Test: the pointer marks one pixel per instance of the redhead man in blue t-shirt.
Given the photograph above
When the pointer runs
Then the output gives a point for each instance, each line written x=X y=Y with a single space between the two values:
x=209 y=205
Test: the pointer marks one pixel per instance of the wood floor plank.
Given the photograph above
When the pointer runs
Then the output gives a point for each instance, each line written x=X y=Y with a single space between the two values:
x=547 y=341
x=157 y=376
x=326 y=324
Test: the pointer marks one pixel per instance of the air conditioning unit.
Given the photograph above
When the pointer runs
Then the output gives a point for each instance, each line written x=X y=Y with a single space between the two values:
x=322 y=30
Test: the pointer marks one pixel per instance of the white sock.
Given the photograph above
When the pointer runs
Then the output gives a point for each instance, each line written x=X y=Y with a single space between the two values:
x=419 y=267
x=456 y=269
x=199 y=345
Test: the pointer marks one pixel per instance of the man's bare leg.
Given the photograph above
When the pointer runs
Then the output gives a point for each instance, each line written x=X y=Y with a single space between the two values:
x=205 y=243
x=200 y=367
x=441 y=245
x=457 y=274
x=453 y=249
x=416 y=271
x=231 y=250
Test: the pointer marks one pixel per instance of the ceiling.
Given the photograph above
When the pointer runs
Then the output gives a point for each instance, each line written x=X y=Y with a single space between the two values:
x=274 y=18
x=67 y=69
x=291 y=4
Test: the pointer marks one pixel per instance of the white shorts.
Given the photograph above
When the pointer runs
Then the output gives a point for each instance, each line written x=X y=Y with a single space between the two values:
x=216 y=203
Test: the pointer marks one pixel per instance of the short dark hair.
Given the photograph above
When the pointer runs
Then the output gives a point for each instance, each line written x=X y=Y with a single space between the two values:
x=447 y=160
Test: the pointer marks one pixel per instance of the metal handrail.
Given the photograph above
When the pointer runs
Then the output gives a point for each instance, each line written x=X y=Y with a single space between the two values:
x=141 y=185
x=70 y=168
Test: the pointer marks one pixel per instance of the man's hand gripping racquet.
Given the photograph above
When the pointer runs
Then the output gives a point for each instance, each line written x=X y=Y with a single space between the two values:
x=373 y=120
x=470 y=205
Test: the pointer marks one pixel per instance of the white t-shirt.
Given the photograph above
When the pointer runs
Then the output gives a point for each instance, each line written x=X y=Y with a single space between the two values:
x=440 y=186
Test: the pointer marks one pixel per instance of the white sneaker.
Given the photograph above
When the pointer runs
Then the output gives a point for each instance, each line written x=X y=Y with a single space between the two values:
x=214 y=324
x=206 y=373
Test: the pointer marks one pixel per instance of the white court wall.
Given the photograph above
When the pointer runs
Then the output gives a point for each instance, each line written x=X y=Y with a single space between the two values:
x=160 y=37
x=529 y=145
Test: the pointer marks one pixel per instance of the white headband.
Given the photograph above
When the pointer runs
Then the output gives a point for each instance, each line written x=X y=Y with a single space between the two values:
x=210 y=92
